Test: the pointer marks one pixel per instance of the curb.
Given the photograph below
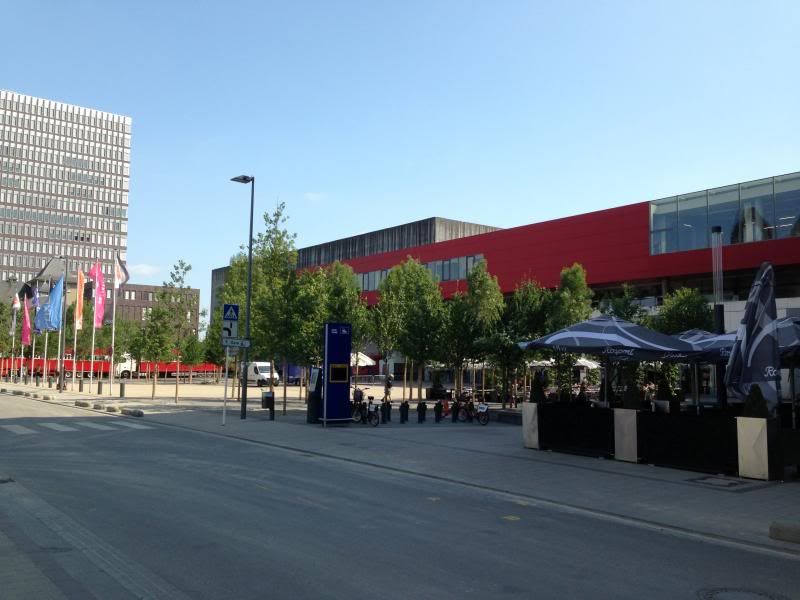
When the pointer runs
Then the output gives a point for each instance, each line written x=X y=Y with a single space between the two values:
x=786 y=530
x=132 y=412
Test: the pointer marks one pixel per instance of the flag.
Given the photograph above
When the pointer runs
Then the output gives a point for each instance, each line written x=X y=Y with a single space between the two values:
x=15 y=302
x=96 y=273
x=26 y=324
x=49 y=317
x=79 y=301
x=755 y=357
x=35 y=297
x=121 y=275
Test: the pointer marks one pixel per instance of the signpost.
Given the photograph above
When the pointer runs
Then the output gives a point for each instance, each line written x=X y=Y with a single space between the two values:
x=230 y=339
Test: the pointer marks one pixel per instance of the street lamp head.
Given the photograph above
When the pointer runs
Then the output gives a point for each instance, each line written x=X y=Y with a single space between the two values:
x=242 y=179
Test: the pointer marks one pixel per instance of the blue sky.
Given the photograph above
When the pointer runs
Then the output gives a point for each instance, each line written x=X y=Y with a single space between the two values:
x=365 y=114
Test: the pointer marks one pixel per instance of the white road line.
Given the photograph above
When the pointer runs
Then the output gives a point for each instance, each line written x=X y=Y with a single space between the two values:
x=94 y=425
x=18 y=429
x=58 y=427
x=131 y=425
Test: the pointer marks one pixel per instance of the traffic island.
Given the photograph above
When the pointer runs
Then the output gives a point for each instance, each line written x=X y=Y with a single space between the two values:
x=785 y=530
x=82 y=403
x=98 y=406
x=112 y=408
x=132 y=412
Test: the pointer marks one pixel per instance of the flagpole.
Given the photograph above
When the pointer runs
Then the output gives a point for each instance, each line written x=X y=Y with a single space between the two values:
x=113 y=333
x=44 y=366
x=61 y=341
x=75 y=344
x=33 y=348
x=94 y=329
x=13 y=342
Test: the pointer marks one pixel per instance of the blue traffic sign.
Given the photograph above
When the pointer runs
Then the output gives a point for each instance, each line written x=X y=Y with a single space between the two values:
x=230 y=312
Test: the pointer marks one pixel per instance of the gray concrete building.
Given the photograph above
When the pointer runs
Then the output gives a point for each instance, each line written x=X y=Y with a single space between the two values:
x=400 y=237
x=64 y=183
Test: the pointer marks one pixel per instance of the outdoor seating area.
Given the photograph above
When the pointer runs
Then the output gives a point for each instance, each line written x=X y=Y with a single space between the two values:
x=752 y=434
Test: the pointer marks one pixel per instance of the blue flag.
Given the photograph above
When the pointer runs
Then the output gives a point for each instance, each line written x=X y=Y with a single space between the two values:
x=49 y=316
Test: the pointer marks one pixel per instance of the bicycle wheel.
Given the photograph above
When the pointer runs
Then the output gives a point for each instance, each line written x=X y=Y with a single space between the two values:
x=357 y=415
x=462 y=414
x=483 y=418
x=374 y=419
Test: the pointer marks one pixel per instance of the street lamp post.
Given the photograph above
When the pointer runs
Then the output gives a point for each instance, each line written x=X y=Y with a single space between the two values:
x=252 y=181
x=719 y=308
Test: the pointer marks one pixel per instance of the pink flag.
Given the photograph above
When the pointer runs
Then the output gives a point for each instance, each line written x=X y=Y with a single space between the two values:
x=26 y=324
x=96 y=273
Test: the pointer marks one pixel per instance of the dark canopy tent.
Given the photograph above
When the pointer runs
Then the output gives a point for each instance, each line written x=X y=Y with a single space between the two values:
x=714 y=347
x=615 y=339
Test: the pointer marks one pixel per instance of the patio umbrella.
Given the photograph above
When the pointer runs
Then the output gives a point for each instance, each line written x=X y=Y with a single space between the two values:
x=359 y=359
x=755 y=358
x=716 y=347
x=586 y=363
x=615 y=339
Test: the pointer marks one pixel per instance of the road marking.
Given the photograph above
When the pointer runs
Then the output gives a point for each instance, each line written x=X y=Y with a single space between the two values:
x=47 y=527
x=433 y=498
x=58 y=427
x=18 y=429
x=511 y=518
x=95 y=426
x=132 y=425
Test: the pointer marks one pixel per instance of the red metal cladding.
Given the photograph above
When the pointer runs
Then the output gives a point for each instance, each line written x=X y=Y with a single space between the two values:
x=613 y=245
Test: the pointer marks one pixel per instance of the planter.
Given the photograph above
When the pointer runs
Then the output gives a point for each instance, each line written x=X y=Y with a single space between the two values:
x=758 y=444
x=626 y=445
x=530 y=425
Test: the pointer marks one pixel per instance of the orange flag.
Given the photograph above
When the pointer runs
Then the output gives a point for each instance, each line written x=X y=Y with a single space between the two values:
x=79 y=301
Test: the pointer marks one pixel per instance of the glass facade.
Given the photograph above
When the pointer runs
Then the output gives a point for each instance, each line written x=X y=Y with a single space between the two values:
x=450 y=269
x=64 y=183
x=754 y=211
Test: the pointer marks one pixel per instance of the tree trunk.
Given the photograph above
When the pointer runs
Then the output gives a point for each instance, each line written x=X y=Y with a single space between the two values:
x=421 y=369
x=285 y=372
x=405 y=376
x=153 y=385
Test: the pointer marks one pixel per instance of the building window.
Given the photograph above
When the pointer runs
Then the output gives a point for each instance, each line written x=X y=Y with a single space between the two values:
x=692 y=221
x=663 y=226
x=724 y=211
x=787 y=206
x=758 y=210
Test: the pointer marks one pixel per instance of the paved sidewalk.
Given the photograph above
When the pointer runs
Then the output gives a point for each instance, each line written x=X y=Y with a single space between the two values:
x=492 y=458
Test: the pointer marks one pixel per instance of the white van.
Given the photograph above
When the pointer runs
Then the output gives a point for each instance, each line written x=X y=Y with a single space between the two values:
x=260 y=373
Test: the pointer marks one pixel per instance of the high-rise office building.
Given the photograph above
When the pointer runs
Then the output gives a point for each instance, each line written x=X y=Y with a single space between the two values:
x=64 y=181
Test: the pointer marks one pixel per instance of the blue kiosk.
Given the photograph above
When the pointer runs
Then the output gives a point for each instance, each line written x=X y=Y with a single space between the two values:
x=332 y=400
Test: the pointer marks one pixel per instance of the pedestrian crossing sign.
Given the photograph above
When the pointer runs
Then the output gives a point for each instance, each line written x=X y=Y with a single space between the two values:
x=230 y=312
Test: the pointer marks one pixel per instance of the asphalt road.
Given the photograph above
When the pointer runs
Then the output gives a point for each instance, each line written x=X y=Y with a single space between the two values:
x=105 y=510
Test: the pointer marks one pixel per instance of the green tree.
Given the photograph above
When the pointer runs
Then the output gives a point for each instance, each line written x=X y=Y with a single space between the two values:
x=424 y=315
x=623 y=305
x=571 y=303
x=308 y=317
x=470 y=317
x=156 y=340
x=386 y=317
x=685 y=308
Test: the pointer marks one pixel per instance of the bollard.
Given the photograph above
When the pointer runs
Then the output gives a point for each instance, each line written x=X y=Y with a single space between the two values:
x=268 y=402
x=80 y=385
x=99 y=387
x=38 y=381
x=50 y=382
x=121 y=389
x=383 y=412
x=389 y=411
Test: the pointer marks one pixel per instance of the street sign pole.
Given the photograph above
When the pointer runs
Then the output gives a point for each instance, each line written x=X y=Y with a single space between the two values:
x=225 y=398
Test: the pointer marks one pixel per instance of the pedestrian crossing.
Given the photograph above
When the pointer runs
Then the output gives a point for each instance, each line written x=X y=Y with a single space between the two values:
x=72 y=427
